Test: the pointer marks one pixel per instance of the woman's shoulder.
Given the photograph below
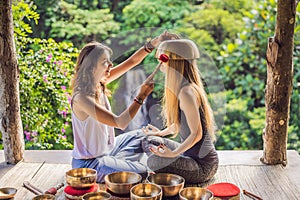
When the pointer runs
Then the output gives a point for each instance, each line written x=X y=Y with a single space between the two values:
x=79 y=97
x=186 y=91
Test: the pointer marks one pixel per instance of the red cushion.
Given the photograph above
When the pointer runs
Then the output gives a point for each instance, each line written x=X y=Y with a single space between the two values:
x=224 y=189
x=79 y=192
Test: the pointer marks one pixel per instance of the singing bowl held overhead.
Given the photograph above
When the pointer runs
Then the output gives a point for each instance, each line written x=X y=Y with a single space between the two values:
x=146 y=191
x=195 y=193
x=121 y=182
x=81 y=177
x=171 y=184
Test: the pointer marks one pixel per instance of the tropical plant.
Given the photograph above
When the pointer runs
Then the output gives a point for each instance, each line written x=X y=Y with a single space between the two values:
x=81 y=26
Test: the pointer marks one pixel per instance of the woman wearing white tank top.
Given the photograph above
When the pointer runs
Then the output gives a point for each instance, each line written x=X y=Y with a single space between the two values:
x=93 y=122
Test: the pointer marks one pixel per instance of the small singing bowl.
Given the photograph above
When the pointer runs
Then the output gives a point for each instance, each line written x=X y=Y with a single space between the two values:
x=171 y=184
x=7 y=192
x=81 y=178
x=146 y=191
x=195 y=193
x=97 y=196
x=121 y=182
x=44 y=197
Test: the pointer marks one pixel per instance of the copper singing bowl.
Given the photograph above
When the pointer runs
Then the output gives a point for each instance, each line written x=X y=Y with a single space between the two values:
x=96 y=196
x=121 y=182
x=171 y=184
x=81 y=177
x=7 y=192
x=44 y=197
x=195 y=193
x=146 y=191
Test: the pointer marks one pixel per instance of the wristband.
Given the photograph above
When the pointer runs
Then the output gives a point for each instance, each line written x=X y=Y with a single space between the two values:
x=138 y=100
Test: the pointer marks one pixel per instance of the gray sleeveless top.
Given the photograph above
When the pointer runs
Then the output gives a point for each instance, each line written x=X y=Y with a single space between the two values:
x=204 y=149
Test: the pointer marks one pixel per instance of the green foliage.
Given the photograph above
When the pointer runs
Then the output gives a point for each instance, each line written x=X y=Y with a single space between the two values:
x=244 y=67
x=156 y=13
x=45 y=71
x=212 y=27
x=237 y=6
x=243 y=62
x=22 y=14
x=242 y=128
x=81 y=25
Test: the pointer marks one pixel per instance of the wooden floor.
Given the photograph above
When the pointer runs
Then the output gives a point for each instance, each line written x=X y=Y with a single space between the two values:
x=46 y=169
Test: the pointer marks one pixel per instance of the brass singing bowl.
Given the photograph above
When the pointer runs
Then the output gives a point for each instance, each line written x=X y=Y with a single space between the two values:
x=146 y=191
x=121 y=182
x=195 y=193
x=44 y=197
x=7 y=192
x=97 y=196
x=81 y=178
x=171 y=184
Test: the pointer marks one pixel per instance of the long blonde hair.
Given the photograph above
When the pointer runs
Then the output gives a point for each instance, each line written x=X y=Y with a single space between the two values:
x=182 y=70
x=83 y=81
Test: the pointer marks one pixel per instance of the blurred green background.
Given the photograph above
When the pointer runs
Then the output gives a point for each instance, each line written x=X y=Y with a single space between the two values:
x=233 y=34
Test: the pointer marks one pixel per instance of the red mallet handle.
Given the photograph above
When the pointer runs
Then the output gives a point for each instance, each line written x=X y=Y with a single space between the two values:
x=53 y=190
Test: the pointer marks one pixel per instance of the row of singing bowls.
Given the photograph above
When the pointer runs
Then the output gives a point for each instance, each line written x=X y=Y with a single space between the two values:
x=121 y=182
x=171 y=184
x=81 y=178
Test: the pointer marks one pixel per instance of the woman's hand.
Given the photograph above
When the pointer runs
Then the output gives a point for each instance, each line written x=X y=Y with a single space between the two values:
x=151 y=130
x=163 y=151
x=168 y=36
x=146 y=89
x=164 y=36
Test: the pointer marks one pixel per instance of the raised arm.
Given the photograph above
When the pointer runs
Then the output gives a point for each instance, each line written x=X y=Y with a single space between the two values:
x=138 y=56
x=190 y=107
x=87 y=106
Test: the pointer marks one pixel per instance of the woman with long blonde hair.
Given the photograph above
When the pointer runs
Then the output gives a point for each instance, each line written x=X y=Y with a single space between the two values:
x=187 y=112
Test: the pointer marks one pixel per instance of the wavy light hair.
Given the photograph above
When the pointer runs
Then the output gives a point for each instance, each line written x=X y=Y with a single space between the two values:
x=83 y=81
x=182 y=71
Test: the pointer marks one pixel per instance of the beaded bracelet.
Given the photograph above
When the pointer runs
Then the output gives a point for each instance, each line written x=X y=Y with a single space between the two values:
x=149 y=47
x=138 y=100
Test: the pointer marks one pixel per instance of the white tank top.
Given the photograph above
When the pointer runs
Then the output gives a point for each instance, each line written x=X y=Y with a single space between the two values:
x=91 y=138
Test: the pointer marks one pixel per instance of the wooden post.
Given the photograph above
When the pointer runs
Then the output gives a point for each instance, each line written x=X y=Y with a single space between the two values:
x=10 y=118
x=279 y=84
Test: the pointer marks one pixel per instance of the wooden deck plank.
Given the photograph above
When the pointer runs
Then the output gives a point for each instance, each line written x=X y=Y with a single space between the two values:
x=49 y=175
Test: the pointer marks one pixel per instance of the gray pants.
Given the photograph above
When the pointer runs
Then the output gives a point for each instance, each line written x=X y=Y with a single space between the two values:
x=193 y=170
x=125 y=156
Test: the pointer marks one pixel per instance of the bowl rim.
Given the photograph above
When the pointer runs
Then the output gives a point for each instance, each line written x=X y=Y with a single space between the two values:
x=45 y=195
x=211 y=193
x=112 y=183
x=176 y=175
x=74 y=169
x=159 y=187
x=99 y=192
